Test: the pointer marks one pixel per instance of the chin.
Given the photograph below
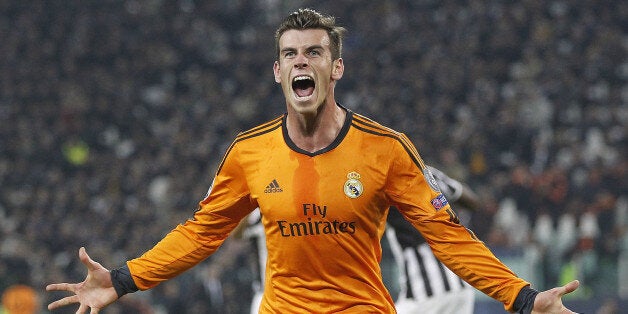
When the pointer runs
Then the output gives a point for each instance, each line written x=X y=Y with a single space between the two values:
x=305 y=110
x=305 y=106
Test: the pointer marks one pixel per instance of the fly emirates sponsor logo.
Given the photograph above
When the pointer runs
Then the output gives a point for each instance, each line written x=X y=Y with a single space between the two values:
x=316 y=224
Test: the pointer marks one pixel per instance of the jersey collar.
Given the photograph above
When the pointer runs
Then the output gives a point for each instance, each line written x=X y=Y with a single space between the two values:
x=341 y=135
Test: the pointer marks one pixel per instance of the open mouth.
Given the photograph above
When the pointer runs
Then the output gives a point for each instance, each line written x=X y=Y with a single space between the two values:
x=303 y=86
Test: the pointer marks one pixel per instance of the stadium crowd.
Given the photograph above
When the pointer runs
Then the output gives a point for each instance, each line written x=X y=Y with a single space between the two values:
x=114 y=115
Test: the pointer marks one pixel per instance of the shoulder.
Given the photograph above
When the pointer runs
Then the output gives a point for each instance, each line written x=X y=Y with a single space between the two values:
x=372 y=127
x=266 y=128
x=377 y=134
x=369 y=125
x=257 y=136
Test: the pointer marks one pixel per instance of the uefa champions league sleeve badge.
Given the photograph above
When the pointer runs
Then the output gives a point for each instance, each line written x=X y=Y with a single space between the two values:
x=353 y=187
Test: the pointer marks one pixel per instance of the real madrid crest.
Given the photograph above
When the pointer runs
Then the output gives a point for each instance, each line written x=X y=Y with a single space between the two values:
x=353 y=187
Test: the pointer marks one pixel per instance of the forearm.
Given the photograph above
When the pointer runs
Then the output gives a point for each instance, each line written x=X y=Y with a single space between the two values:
x=183 y=248
x=190 y=243
x=470 y=259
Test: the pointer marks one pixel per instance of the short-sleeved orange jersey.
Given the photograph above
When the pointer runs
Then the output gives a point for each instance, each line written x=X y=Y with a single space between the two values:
x=324 y=214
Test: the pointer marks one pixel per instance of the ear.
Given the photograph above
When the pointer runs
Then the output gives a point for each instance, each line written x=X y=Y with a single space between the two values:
x=277 y=72
x=338 y=69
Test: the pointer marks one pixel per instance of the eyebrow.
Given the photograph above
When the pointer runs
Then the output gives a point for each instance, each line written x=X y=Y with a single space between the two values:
x=310 y=48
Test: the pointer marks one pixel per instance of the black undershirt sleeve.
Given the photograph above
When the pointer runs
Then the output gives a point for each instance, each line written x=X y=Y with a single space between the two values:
x=525 y=300
x=123 y=282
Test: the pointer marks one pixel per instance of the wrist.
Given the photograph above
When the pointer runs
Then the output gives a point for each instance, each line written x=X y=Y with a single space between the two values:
x=525 y=300
x=122 y=281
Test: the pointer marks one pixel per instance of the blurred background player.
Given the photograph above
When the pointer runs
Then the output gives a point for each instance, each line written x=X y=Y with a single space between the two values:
x=251 y=229
x=425 y=284
x=20 y=299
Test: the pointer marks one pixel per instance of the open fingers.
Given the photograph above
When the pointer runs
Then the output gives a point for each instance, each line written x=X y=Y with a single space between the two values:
x=63 y=302
x=87 y=261
x=570 y=287
x=61 y=287
x=83 y=309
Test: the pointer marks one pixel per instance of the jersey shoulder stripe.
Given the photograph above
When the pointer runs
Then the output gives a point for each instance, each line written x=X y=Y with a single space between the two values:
x=251 y=133
x=367 y=125
x=261 y=129
x=397 y=135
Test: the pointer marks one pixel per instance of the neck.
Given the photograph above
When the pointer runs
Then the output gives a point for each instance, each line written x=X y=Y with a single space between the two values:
x=313 y=132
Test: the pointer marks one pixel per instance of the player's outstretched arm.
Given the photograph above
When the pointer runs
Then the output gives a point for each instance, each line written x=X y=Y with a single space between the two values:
x=550 y=301
x=94 y=293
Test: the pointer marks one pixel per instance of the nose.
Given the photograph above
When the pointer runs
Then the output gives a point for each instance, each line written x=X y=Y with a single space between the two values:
x=300 y=62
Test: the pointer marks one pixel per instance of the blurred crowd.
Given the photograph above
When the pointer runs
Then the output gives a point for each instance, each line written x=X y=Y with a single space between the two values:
x=114 y=115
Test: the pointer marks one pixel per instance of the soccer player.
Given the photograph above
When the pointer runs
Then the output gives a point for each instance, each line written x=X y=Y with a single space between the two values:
x=426 y=285
x=324 y=179
x=251 y=228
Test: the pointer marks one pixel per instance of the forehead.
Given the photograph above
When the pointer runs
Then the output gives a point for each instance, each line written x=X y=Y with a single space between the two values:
x=301 y=38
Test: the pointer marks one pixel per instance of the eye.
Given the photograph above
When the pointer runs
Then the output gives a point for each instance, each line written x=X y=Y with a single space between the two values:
x=289 y=54
x=314 y=53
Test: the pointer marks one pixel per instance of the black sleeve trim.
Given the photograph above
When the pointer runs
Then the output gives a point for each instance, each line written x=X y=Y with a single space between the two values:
x=525 y=300
x=122 y=281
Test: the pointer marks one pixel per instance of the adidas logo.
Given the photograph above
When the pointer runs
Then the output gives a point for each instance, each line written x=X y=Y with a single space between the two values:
x=273 y=187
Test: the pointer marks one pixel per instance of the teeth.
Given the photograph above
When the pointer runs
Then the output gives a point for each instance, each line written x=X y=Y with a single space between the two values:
x=301 y=78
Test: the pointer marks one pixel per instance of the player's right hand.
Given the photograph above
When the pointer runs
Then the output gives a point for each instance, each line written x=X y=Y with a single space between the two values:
x=94 y=293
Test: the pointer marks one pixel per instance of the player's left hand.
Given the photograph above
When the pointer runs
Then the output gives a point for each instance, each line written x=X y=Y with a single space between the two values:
x=550 y=301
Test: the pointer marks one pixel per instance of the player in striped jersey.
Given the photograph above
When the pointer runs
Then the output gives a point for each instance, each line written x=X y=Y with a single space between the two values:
x=426 y=285
x=324 y=179
x=252 y=229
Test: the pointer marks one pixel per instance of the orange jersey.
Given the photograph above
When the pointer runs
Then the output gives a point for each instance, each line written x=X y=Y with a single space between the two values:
x=324 y=214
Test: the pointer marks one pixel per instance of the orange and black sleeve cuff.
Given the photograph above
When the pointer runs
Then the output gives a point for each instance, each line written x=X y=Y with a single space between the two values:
x=122 y=281
x=525 y=300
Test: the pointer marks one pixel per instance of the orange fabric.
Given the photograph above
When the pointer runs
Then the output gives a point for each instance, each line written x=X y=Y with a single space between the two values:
x=324 y=216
